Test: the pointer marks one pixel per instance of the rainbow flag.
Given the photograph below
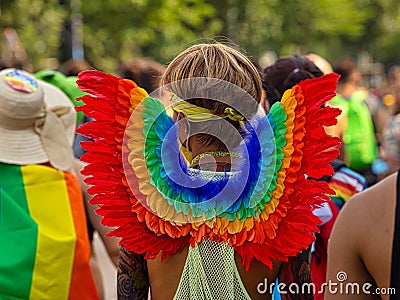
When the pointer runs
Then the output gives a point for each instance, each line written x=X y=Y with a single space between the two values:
x=44 y=246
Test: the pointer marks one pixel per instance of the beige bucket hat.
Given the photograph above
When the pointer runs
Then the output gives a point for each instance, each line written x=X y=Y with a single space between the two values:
x=37 y=122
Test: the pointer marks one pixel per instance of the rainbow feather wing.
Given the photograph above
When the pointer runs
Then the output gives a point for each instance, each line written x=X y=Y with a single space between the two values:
x=307 y=152
x=157 y=205
x=110 y=101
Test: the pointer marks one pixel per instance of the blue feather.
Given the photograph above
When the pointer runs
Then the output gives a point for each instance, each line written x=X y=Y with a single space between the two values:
x=244 y=190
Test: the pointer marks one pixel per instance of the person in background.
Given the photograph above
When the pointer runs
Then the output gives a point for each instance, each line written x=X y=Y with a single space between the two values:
x=72 y=67
x=390 y=142
x=163 y=246
x=320 y=62
x=145 y=72
x=364 y=248
x=390 y=146
x=390 y=90
x=69 y=86
x=45 y=252
x=355 y=126
x=277 y=78
x=65 y=79
x=282 y=75
x=345 y=182
x=65 y=83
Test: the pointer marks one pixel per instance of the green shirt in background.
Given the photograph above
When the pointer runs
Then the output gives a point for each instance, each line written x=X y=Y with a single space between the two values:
x=67 y=84
x=359 y=136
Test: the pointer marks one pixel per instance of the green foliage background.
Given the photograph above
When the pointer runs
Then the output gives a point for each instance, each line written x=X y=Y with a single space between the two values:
x=117 y=30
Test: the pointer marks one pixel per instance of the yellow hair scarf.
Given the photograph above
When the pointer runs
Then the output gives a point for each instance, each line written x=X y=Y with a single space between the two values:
x=196 y=113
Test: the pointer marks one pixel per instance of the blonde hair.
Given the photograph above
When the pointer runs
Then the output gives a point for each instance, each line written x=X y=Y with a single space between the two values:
x=217 y=61
x=221 y=62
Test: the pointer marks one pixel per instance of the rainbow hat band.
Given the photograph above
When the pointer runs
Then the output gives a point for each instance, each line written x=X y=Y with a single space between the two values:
x=21 y=81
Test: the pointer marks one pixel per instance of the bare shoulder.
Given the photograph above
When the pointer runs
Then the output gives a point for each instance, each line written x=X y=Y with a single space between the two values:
x=368 y=214
x=379 y=193
x=362 y=237
x=371 y=206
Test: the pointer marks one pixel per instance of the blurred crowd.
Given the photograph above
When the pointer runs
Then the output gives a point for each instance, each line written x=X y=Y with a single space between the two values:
x=366 y=107
x=369 y=126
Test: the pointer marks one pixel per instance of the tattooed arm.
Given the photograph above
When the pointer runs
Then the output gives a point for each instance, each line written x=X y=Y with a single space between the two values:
x=132 y=280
